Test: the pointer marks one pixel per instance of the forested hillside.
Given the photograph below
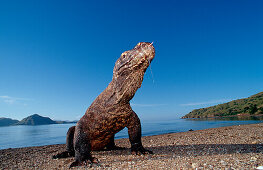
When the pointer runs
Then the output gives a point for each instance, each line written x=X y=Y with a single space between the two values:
x=248 y=106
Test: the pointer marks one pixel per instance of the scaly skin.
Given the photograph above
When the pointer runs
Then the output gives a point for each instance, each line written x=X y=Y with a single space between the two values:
x=111 y=111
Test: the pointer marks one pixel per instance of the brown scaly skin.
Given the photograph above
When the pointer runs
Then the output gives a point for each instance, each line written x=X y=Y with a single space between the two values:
x=111 y=110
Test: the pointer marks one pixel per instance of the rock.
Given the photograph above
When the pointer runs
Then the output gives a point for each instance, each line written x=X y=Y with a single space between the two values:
x=253 y=159
x=255 y=142
x=194 y=165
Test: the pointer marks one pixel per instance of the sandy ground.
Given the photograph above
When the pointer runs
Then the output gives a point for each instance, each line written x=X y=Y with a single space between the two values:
x=235 y=147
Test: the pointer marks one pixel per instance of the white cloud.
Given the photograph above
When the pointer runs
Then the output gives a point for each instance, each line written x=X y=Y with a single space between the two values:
x=12 y=100
x=207 y=102
x=147 y=105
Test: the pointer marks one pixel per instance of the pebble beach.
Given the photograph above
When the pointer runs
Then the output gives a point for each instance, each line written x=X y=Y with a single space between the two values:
x=234 y=147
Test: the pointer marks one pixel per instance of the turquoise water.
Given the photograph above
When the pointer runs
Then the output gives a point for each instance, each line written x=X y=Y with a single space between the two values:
x=25 y=136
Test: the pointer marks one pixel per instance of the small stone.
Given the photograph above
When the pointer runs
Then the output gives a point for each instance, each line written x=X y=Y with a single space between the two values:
x=194 y=165
x=260 y=168
x=253 y=159
x=255 y=142
x=223 y=162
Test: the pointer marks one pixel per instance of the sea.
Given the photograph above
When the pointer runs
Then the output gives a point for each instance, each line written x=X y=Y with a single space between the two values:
x=27 y=136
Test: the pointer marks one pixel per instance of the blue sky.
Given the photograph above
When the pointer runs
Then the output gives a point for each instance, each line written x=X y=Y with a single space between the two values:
x=57 y=56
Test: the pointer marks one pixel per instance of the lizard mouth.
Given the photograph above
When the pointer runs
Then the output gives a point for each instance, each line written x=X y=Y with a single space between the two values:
x=146 y=51
x=143 y=52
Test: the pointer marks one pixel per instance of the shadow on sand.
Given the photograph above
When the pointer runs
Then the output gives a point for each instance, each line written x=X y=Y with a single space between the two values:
x=194 y=150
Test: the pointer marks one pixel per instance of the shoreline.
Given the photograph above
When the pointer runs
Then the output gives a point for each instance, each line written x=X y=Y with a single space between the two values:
x=238 y=117
x=235 y=147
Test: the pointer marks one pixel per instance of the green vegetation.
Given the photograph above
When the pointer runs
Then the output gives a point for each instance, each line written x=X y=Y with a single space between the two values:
x=248 y=106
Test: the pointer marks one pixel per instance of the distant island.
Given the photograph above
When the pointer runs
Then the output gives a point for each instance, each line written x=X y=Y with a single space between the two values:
x=34 y=119
x=251 y=106
x=7 y=121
